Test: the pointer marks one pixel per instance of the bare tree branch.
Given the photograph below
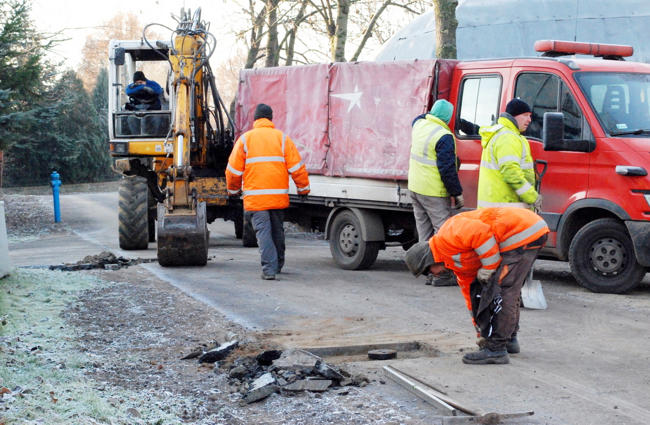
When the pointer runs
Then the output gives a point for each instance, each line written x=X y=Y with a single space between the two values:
x=368 y=32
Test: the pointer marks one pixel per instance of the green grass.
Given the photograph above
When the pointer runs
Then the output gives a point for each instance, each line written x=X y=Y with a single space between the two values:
x=39 y=354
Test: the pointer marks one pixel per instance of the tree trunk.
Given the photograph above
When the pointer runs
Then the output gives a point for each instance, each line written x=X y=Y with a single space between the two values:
x=341 y=34
x=272 y=45
x=446 y=23
x=368 y=32
x=256 y=36
x=291 y=36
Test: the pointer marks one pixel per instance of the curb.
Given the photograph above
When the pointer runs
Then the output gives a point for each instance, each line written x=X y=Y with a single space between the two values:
x=5 y=264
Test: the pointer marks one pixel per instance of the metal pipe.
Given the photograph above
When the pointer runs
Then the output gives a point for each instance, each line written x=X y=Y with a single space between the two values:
x=179 y=151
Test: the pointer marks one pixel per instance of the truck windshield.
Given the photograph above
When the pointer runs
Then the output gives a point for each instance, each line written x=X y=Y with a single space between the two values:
x=620 y=100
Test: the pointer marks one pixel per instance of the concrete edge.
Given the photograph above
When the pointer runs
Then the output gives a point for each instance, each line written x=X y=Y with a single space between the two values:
x=5 y=263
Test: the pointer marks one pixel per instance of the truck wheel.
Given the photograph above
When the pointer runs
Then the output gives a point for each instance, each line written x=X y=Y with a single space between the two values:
x=133 y=213
x=602 y=258
x=248 y=238
x=348 y=249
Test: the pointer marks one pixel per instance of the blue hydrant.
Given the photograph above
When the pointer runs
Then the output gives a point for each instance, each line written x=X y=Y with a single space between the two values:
x=55 y=182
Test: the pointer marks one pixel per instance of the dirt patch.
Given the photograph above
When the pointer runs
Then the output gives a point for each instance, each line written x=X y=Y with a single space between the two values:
x=103 y=260
x=29 y=216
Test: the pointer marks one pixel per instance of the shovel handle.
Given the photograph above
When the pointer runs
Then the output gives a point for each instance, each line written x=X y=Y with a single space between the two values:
x=538 y=175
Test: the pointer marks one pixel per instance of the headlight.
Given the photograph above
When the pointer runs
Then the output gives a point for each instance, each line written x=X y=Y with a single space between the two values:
x=120 y=147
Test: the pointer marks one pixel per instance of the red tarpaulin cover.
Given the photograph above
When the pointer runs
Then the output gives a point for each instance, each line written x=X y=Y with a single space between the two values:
x=347 y=119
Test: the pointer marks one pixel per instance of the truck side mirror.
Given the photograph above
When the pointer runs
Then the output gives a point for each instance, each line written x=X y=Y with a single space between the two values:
x=553 y=135
x=119 y=56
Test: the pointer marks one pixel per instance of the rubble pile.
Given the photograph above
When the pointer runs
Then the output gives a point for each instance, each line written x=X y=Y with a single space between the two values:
x=104 y=260
x=274 y=371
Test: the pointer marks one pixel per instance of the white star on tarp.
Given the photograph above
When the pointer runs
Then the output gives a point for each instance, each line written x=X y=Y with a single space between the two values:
x=354 y=98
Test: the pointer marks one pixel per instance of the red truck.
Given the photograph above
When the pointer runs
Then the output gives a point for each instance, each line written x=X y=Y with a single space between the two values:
x=590 y=127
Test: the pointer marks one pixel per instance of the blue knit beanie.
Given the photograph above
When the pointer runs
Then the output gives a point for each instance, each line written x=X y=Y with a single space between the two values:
x=442 y=109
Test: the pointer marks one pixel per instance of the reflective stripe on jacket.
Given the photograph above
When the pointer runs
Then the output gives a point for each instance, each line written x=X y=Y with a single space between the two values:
x=474 y=239
x=506 y=176
x=263 y=158
x=424 y=176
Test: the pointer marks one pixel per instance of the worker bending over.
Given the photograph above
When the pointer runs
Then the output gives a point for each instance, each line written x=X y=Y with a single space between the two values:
x=491 y=251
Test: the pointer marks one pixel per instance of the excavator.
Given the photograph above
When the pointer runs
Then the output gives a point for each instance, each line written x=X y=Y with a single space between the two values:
x=172 y=158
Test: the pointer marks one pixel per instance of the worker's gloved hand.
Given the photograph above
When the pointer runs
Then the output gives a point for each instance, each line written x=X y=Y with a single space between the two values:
x=484 y=275
x=234 y=195
x=459 y=201
x=538 y=203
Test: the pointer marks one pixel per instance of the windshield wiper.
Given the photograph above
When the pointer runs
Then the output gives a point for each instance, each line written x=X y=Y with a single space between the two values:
x=629 y=132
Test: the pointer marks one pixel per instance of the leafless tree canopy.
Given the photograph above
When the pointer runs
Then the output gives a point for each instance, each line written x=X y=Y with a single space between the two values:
x=306 y=31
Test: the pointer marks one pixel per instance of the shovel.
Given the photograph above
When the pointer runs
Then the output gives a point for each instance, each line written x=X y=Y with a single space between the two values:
x=532 y=295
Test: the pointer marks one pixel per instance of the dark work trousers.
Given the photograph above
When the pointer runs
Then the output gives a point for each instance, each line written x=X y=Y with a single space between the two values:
x=510 y=276
x=269 y=230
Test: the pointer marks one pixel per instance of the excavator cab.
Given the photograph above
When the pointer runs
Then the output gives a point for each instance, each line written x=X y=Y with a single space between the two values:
x=130 y=120
x=171 y=149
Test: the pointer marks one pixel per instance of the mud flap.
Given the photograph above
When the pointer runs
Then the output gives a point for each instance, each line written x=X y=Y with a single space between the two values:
x=182 y=237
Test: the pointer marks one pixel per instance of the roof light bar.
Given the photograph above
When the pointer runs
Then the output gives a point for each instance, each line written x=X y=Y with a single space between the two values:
x=562 y=48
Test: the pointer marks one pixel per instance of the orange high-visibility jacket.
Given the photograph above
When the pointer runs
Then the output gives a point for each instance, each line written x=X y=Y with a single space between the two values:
x=474 y=239
x=264 y=157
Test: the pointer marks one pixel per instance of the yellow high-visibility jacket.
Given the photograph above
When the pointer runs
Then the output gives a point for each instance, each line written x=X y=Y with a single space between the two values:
x=507 y=175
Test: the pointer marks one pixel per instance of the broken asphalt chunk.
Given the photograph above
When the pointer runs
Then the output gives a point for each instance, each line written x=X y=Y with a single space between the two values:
x=295 y=360
x=267 y=357
x=219 y=353
x=328 y=371
x=261 y=388
x=313 y=385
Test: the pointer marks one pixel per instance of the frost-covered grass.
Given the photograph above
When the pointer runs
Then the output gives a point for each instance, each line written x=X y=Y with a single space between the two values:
x=43 y=367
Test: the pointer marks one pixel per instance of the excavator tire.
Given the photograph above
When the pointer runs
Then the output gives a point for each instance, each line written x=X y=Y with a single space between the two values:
x=182 y=237
x=133 y=213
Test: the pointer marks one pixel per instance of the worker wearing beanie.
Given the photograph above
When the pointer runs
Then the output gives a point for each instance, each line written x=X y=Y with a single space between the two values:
x=144 y=95
x=507 y=175
x=263 y=158
x=433 y=175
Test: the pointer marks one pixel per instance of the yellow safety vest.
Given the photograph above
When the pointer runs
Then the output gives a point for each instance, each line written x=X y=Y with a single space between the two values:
x=424 y=177
x=507 y=175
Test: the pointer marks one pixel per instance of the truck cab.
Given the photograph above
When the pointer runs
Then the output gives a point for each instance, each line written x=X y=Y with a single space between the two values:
x=591 y=129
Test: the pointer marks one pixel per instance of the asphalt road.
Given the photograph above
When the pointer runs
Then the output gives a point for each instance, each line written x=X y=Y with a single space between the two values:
x=584 y=360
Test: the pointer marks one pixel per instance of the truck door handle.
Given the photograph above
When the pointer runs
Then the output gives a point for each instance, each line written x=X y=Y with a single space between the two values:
x=630 y=170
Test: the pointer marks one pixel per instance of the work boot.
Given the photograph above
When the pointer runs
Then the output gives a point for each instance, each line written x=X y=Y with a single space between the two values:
x=486 y=356
x=512 y=346
x=268 y=276
x=429 y=280
x=445 y=279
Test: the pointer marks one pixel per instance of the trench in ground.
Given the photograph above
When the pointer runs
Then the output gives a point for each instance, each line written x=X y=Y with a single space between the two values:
x=359 y=353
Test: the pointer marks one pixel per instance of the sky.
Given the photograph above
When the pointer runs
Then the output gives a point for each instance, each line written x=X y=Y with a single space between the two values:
x=79 y=18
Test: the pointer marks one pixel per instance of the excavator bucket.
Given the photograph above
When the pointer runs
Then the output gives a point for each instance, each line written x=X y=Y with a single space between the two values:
x=182 y=236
